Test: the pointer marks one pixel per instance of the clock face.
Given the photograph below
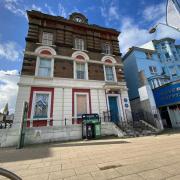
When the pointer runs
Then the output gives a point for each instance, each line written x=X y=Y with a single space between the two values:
x=78 y=19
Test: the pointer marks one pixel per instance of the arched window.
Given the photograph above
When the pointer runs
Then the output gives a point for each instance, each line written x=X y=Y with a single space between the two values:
x=80 y=57
x=45 y=52
x=45 y=62
x=80 y=65
x=109 y=68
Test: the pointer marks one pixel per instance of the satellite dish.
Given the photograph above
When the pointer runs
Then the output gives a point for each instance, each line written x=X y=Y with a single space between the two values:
x=173 y=14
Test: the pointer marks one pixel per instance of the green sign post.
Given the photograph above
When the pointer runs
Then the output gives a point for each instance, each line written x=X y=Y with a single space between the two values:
x=23 y=126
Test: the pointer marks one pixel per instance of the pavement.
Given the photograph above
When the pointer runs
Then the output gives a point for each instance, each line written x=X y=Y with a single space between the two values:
x=152 y=157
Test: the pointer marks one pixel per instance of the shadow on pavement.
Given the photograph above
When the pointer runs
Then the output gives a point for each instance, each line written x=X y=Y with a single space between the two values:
x=88 y=143
x=12 y=154
x=32 y=152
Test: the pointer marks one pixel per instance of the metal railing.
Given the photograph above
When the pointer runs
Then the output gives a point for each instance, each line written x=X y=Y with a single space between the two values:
x=6 y=124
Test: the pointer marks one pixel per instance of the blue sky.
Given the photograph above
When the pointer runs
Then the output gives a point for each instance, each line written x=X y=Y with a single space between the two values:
x=132 y=17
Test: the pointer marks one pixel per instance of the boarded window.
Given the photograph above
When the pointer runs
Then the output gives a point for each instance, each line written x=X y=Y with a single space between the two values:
x=81 y=104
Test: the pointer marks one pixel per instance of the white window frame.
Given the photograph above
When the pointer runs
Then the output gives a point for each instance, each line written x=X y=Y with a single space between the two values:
x=75 y=102
x=114 y=73
x=86 y=69
x=33 y=104
x=173 y=71
x=48 y=39
x=81 y=44
x=156 y=83
x=38 y=64
x=106 y=48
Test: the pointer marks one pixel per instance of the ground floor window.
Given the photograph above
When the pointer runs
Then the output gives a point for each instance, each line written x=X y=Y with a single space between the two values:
x=81 y=104
x=40 y=106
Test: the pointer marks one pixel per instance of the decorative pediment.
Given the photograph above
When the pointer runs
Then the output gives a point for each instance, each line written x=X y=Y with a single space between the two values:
x=79 y=18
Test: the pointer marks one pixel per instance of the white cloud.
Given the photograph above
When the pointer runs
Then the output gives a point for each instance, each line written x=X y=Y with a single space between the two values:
x=49 y=9
x=10 y=51
x=132 y=35
x=109 y=11
x=35 y=7
x=19 y=8
x=154 y=12
x=62 y=10
x=113 y=12
x=14 y=7
x=8 y=89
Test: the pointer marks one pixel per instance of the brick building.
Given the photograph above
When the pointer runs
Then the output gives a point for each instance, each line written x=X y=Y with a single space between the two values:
x=70 y=67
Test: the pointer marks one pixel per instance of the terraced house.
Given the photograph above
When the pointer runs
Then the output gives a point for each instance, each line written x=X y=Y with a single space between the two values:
x=70 y=67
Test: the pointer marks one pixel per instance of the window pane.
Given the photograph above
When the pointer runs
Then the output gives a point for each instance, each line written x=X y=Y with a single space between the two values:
x=47 y=38
x=106 y=49
x=44 y=72
x=41 y=106
x=109 y=73
x=80 y=71
x=44 y=68
x=81 y=105
x=45 y=63
x=79 y=44
x=152 y=69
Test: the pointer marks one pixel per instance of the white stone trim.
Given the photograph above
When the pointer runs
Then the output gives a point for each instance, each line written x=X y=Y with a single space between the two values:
x=104 y=58
x=42 y=48
x=77 y=53
x=26 y=80
x=69 y=58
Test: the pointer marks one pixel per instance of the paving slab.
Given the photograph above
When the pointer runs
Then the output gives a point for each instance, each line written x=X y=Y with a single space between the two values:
x=152 y=157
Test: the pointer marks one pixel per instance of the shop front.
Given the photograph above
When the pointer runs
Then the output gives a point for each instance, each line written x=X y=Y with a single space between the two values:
x=167 y=98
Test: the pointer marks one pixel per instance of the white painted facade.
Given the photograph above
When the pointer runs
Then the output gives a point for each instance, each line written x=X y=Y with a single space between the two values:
x=62 y=105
